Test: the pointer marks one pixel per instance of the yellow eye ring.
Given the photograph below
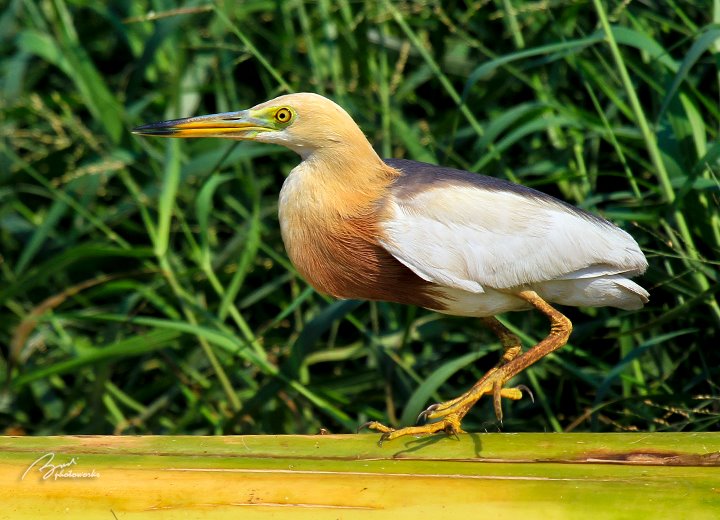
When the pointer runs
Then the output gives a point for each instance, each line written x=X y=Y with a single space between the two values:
x=283 y=115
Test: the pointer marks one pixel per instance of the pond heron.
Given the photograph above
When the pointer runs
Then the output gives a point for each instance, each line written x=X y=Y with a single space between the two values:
x=358 y=226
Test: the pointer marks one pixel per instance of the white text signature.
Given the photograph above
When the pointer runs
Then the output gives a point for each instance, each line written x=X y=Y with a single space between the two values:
x=49 y=470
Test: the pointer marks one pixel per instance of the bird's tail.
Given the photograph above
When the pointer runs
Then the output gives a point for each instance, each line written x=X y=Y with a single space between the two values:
x=636 y=296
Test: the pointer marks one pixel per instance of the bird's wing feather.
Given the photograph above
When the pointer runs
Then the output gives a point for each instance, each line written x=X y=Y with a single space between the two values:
x=454 y=230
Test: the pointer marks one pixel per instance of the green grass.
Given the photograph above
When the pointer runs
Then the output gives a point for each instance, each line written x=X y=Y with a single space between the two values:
x=144 y=287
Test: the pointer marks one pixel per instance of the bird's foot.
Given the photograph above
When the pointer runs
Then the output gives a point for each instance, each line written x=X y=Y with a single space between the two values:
x=450 y=425
x=491 y=383
x=451 y=413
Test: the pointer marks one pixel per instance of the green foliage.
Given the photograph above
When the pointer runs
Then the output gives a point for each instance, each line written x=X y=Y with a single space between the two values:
x=143 y=283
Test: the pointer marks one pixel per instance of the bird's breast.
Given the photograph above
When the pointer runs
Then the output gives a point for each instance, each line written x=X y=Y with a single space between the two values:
x=336 y=248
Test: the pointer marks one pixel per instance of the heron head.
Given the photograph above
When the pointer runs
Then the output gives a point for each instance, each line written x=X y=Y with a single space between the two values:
x=303 y=122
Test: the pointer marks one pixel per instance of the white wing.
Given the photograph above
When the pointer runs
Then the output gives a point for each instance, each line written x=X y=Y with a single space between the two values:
x=466 y=237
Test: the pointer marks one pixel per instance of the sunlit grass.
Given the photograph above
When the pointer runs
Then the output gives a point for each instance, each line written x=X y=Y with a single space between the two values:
x=144 y=286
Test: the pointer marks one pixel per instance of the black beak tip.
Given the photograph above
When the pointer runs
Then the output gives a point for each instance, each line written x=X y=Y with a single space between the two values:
x=162 y=128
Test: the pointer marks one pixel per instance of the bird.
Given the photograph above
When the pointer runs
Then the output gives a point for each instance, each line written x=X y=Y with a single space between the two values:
x=357 y=226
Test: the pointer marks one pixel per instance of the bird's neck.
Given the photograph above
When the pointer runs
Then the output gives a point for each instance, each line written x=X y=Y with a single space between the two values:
x=343 y=178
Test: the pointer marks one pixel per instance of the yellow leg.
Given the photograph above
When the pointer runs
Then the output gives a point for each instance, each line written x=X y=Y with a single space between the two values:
x=511 y=350
x=451 y=413
x=509 y=341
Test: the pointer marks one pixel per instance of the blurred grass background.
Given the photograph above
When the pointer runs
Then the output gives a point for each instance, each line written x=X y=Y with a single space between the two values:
x=143 y=283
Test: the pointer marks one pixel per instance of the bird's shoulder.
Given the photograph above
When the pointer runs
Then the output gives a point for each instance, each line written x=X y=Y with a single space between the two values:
x=416 y=178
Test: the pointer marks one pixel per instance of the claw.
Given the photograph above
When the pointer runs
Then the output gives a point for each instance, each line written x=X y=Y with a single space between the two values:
x=524 y=388
x=423 y=416
x=451 y=431
x=363 y=426
x=385 y=436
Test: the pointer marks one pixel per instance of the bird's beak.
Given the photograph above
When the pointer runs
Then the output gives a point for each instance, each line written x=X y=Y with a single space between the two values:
x=232 y=125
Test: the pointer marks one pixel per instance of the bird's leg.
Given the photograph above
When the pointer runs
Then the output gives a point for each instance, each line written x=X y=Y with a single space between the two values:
x=560 y=328
x=452 y=412
x=511 y=349
x=510 y=342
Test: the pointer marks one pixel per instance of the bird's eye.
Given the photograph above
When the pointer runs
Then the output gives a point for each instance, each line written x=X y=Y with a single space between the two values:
x=283 y=115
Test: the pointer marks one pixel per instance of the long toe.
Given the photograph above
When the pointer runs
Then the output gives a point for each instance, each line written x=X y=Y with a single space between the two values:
x=449 y=425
